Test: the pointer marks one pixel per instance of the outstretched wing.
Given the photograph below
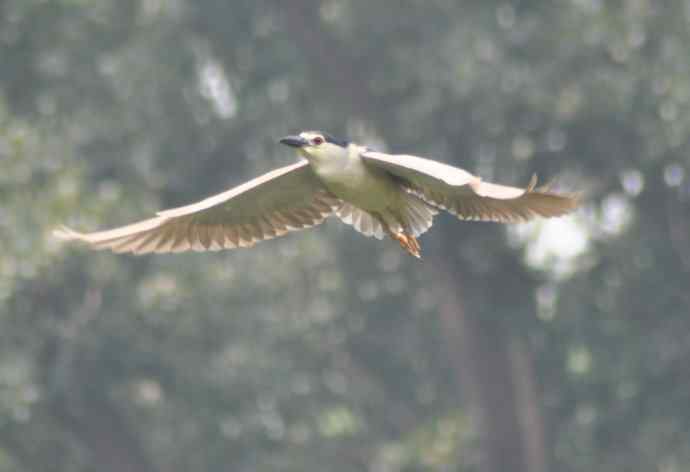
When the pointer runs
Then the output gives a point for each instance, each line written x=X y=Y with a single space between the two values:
x=286 y=199
x=466 y=195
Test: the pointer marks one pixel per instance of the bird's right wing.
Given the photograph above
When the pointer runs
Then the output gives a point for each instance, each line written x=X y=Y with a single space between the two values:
x=468 y=196
x=286 y=199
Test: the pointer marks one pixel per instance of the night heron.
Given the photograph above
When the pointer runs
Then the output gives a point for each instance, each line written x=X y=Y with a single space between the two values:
x=377 y=193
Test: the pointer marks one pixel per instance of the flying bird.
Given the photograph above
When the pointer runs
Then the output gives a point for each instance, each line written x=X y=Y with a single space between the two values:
x=378 y=194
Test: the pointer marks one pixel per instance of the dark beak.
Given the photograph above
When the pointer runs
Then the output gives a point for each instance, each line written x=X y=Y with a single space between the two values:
x=294 y=141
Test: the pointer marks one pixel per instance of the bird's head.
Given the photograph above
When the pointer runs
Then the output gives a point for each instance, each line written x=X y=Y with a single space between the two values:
x=317 y=145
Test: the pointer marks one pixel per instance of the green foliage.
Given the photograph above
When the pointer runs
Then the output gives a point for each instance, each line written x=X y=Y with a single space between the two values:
x=325 y=350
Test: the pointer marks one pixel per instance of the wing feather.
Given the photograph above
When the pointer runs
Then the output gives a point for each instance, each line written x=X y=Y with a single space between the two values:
x=286 y=199
x=467 y=196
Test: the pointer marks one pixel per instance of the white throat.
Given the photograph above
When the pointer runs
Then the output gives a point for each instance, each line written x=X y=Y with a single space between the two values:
x=331 y=159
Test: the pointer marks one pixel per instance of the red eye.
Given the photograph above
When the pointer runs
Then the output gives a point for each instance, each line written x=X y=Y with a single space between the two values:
x=317 y=140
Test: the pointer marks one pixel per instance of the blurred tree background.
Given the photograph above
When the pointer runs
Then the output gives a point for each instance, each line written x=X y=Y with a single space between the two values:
x=561 y=345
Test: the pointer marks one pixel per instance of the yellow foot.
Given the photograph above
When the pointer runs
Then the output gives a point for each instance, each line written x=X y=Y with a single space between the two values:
x=408 y=243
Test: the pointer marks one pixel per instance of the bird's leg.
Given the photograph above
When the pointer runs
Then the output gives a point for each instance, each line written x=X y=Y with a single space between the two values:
x=409 y=243
x=406 y=240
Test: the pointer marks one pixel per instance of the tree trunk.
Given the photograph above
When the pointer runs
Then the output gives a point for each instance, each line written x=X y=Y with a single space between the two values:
x=528 y=407
x=497 y=375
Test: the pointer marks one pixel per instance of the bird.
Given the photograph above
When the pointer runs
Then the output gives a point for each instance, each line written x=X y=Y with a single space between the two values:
x=378 y=194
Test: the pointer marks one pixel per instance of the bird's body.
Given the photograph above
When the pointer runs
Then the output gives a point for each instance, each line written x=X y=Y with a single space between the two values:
x=378 y=194
x=381 y=200
x=345 y=175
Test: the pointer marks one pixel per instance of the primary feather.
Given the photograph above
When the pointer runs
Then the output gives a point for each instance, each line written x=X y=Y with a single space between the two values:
x=467 y=196
x=284 y=200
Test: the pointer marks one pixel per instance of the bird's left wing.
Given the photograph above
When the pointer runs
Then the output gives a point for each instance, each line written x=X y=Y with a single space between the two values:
x=466 y=195
x=286 y=199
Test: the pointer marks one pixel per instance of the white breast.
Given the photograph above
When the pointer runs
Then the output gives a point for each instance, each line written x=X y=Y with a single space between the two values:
x=346 y=175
